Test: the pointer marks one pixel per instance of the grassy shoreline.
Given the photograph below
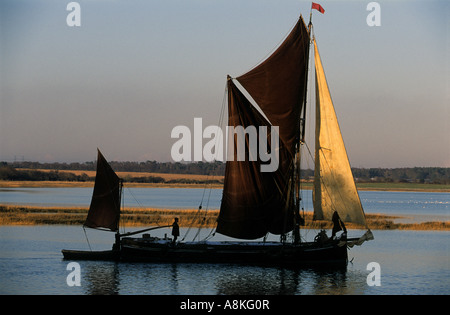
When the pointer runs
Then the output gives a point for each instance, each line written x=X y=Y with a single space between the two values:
x=412 y=187
x=132 y=217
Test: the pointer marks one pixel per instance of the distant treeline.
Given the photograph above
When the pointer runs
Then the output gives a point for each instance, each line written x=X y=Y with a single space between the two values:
x=12 y=171
x=198 y=168
x=426 y=175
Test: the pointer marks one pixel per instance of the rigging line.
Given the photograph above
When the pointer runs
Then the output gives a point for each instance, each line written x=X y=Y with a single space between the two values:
x=87 y=239
x=198 y=230
x=121 y=209
x=204 y=217
x=211 y=234
x=220 y=122
x=192 y=223
x=203 y=222
x=188 y=230
x=137 y=201
x=314 y=225
x=309 y=151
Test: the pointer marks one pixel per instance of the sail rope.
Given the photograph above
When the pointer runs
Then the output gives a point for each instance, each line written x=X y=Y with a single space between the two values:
x=121 y=209
x=87 y=239
x=314 y=227
x=208 y=184
x=204 y=217
x=212 y=232
x=141 y=206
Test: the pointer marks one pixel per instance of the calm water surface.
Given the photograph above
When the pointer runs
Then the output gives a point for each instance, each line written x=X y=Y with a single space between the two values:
x=373 y=201
x=412 y=262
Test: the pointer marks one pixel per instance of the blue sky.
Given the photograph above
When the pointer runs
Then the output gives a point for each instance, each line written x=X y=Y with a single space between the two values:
x=136 y=69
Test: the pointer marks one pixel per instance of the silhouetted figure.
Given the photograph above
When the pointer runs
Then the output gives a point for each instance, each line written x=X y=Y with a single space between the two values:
x=338 y=225
x=175 y=231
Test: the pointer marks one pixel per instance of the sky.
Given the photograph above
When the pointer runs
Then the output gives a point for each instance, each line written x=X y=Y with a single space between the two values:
x=134 y=70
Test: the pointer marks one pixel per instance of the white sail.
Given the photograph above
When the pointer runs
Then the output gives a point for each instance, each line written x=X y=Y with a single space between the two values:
x=334 y=186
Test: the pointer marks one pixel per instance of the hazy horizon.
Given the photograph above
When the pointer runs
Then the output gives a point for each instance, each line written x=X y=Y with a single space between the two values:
x=135 y=70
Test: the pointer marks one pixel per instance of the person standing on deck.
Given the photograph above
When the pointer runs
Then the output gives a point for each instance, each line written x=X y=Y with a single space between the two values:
x=338 y=225
x=175 y=231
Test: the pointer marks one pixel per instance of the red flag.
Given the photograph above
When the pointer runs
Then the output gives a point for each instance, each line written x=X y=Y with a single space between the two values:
x=318 y=7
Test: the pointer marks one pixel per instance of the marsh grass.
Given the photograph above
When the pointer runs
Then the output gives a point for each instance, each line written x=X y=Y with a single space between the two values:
x=132 y=217
x=196 y=181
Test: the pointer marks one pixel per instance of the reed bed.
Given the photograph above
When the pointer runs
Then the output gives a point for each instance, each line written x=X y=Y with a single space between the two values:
x=132 y=217
x=197 y=181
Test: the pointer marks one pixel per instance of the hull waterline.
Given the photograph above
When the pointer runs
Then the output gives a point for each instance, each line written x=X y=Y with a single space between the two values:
x=250 y=253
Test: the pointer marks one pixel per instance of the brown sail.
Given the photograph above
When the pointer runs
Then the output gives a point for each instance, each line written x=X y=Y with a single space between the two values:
x=278 y=85
x=253 y=202
x=104 y=211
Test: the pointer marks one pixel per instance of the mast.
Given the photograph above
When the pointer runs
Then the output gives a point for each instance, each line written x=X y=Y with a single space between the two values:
x=303 y=118
x=301 y=139
x=116 y=245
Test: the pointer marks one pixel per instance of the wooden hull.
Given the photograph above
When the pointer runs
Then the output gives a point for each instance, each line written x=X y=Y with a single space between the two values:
x=255 y=253
x=251 y=253
x=107 y=255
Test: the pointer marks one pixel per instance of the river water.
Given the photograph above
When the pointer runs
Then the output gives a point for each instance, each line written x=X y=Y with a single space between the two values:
x=411 y=262
x=407 y=262
x=387 y=202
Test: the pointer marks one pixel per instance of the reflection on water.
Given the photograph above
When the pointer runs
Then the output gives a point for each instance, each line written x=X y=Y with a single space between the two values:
x=259 y=281
x=254 y=280
x=128 y=278
x=101 y=278
x=339 y=282
x=412 y=262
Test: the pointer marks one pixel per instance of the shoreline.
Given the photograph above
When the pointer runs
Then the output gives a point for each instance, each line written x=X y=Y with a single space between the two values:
x=398 y=187
x=133 y=217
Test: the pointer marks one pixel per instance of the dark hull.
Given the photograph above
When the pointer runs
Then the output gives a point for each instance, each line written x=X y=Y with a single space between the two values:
x=250 y=253
x=107 y=255
x=270 y=253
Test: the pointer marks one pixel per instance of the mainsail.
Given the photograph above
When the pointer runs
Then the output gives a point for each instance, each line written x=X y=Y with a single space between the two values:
x=255 y=203
x=334 y=186
x=104 y=212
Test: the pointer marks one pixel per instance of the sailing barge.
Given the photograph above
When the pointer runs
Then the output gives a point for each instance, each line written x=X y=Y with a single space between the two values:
x=256 y=203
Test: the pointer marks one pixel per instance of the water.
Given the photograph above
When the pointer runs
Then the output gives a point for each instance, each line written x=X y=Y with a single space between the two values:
x=387 y=202
x=170 y=198
x=412 y=262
